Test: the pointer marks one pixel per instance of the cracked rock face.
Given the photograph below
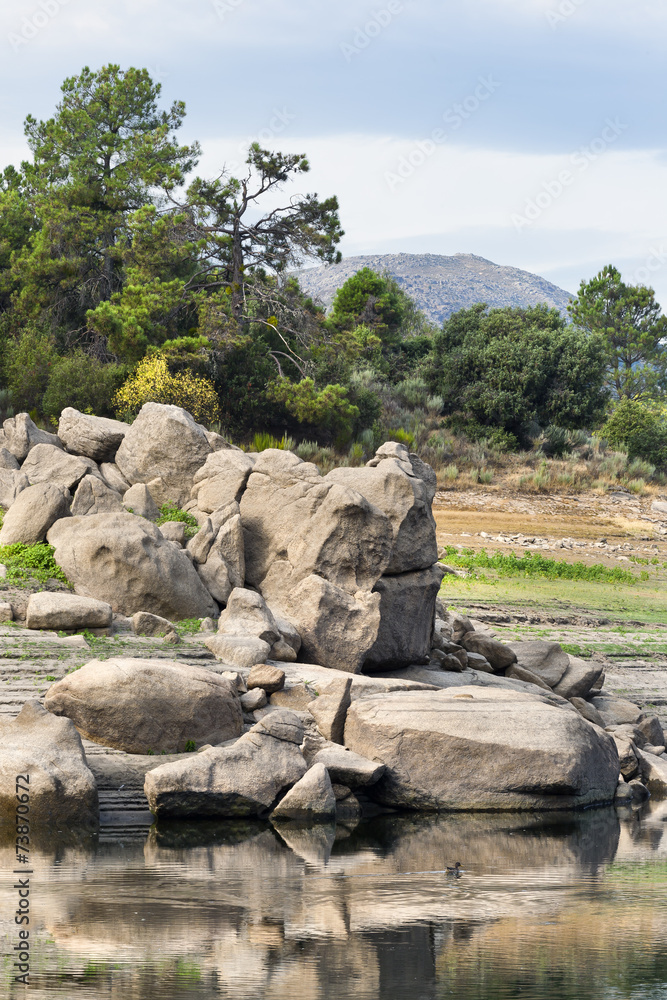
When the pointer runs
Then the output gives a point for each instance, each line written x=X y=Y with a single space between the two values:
x=244 y=779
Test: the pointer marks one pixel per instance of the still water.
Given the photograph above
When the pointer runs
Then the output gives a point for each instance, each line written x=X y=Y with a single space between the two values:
x=570 y=908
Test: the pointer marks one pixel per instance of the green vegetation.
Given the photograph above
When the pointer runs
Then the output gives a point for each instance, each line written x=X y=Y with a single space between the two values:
x=171 y=512
x=532 y=564
x=26 y=562
x=190 y=746
x=125 y=277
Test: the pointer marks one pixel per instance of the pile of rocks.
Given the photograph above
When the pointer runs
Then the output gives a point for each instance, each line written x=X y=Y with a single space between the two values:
x=337 y=676
x=346 y=562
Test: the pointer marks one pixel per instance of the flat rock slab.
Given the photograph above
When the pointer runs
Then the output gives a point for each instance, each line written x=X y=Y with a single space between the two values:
x=482 y=749
x=68 y=612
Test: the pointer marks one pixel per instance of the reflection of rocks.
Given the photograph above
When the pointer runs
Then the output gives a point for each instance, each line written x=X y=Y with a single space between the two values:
x=241 y=898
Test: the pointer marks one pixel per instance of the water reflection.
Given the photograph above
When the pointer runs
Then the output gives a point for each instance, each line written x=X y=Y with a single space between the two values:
x=548 y=906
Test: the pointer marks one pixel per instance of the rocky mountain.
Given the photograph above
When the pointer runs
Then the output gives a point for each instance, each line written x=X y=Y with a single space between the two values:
x=441 y=285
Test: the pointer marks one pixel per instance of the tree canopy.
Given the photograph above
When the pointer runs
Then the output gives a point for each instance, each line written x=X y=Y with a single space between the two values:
x=632 y=328
x=502 y=369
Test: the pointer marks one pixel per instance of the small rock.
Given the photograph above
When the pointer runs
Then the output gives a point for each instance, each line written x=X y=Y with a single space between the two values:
x=33 y=512
x=172 y=638
x=520 y=673
x=247 y=613
x=499 y=656
x=623 y=793
x=253 y=699
x=239 y=650
x=6 y=612
x=174 y=531
x=640 y=792
x=656 y=751
x=348 y=768
x=139 y=501
x=207 y=625
x=341 y=792
x=145 y=623
x=236 y=679
x=588 y=711
x=69 y=612
x=73 y=642
x=270 y=678
x=310 y=799
x=650 y=726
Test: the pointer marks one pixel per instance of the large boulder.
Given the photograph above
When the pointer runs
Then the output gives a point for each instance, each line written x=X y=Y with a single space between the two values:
x=48 y=750
x=33 y=512
x=578 y=679
x=247 y=613
x=398 y=492
x=127 y=562
x=482 y=749
x=66 y=612
x=21 y=434
x=337 y=629
x=48 y=464
x=165 y=443
x=295 y=527
x=407 y=609
x=244 y=779
x=141 y=705
x=12 y=482
x=95 y=437
x=93 y=496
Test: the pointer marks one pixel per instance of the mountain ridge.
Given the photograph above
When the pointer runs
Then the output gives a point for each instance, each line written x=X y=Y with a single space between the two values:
x=441 y=285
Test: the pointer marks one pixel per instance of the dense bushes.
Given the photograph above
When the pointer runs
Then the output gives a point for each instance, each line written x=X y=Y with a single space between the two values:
x=640 y=429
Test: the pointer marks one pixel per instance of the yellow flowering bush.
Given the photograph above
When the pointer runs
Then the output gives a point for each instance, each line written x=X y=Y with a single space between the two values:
x=152 y=382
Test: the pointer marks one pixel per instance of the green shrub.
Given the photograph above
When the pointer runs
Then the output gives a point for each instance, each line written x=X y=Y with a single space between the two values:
x=171 y=512
x=639 y=428
x=82 y=382
x=24 y=562
x=27 y=366
x=262 y=440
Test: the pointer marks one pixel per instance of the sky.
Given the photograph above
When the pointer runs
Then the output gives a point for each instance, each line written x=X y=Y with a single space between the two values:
x=529 y=132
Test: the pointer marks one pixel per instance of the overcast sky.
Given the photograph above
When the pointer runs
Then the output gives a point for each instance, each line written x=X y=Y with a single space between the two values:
x=530 y=132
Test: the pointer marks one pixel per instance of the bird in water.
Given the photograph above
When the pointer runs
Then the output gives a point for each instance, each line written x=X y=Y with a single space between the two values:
x=455 y=869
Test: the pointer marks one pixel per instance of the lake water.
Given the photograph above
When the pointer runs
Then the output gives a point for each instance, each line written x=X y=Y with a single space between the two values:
x=567 y=907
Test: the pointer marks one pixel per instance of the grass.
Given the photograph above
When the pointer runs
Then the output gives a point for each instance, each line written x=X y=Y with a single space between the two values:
x=26 y=562
x=532 y=564
x=171 y=512
x=644 y=602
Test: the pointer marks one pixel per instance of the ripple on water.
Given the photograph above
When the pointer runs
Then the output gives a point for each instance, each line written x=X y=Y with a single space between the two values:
x=547 y=907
